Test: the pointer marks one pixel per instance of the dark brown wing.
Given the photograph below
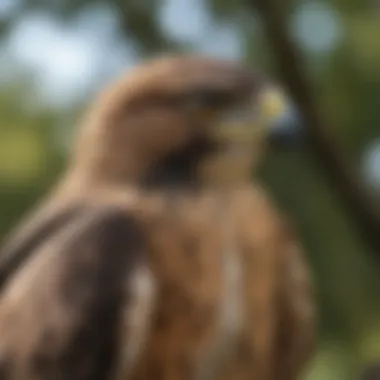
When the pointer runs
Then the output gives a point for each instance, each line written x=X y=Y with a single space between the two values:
x=42 y=224
x=60 y=315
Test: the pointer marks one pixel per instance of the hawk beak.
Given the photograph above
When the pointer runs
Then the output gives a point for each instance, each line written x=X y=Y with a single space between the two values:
x=265 y=119
x=244 y=135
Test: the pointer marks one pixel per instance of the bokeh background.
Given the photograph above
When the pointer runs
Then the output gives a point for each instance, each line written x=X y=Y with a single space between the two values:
x=56 y=54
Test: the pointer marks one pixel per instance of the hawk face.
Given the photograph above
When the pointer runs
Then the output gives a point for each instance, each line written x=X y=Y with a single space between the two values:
x=177 y=121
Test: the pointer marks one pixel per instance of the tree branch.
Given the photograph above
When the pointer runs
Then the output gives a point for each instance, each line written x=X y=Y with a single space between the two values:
x=353 y=194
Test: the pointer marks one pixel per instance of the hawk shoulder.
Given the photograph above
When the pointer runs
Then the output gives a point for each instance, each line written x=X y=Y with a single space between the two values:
x=61 y=314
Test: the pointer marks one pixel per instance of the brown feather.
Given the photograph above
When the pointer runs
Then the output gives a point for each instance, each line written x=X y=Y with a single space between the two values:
x=127 y=273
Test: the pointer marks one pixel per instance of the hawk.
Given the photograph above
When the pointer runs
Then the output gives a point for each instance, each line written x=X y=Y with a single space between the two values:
x=155 y=256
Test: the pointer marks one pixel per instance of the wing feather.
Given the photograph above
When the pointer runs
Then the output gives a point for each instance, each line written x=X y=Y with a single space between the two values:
x=61 y=315
x=42 y=224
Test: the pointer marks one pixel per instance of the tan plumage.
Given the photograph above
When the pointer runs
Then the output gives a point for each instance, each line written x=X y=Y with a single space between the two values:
x=148 y=261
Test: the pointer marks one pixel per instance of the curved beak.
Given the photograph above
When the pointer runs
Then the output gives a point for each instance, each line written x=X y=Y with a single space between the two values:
x=281 y=119
x=270 y=119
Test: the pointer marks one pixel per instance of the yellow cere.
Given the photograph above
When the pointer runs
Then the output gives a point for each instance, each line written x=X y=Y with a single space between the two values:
x=272 y=104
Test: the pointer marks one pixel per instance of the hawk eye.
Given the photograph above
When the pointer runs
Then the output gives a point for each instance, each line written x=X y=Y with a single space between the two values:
x=209 y=98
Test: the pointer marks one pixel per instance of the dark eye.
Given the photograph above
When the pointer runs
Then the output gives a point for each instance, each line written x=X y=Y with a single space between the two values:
x=208 y=98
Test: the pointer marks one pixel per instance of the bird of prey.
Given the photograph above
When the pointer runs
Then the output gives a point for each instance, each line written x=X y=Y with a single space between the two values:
x=155 y=256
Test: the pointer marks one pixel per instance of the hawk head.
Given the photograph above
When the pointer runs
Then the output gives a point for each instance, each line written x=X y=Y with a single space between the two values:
x=178 y=121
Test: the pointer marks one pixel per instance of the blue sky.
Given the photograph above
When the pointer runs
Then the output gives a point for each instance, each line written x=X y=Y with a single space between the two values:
x=68 y=60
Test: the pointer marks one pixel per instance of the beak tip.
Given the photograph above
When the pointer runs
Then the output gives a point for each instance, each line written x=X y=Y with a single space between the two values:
x=287 y=133
x=285 y=129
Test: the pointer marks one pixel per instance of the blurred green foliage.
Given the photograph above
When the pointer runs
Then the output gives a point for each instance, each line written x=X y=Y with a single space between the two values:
x=347 y=84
